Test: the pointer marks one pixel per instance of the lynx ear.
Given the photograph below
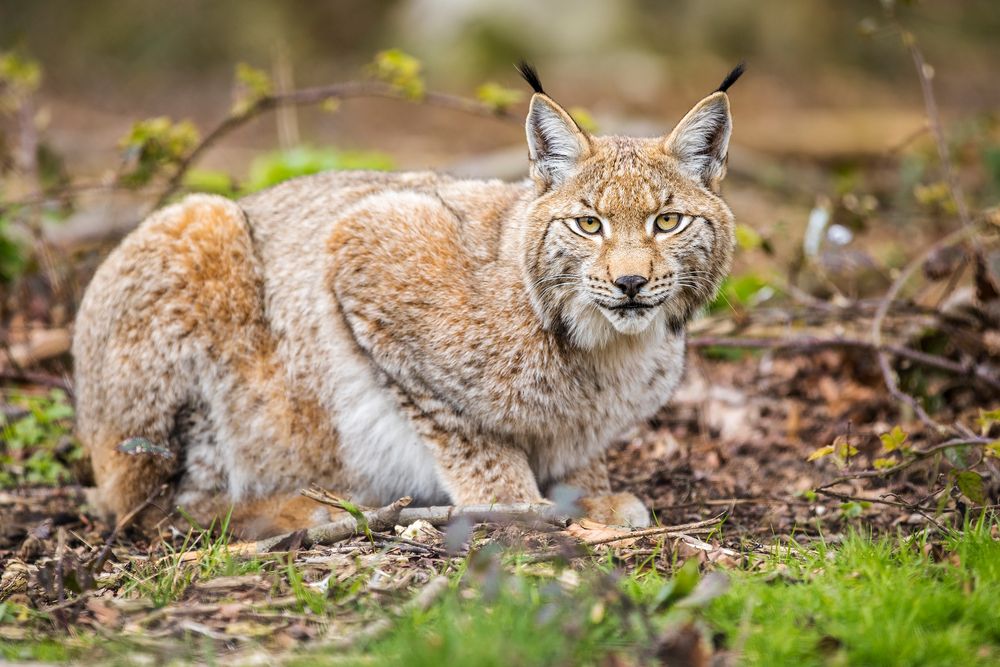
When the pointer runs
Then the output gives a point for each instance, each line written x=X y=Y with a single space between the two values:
x=555 y=143
x=700 y=142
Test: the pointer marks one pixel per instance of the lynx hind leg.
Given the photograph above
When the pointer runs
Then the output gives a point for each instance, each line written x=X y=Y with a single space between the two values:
x=150 y=312
x=128 y=411
x=600 y=504
x=257 y=518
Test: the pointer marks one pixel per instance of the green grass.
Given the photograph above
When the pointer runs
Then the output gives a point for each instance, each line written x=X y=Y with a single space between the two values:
x=165 y=580
x=870 y=602
x=897 y=600
x=867 y=601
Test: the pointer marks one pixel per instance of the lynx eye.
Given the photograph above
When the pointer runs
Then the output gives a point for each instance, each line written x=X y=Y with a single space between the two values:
x=588 y=224
x=669 y=222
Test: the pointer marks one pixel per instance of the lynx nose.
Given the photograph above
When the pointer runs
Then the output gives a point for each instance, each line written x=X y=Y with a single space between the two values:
x=631 y=284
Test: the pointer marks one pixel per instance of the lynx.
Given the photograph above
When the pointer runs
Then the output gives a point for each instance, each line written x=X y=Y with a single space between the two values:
x=384 y=335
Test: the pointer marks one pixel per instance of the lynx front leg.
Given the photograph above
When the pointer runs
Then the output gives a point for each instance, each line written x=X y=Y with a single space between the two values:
x=599 y=503
x=484 y=472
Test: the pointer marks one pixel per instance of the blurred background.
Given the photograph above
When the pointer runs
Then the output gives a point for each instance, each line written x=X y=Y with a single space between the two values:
x=828 y=84
x=826 y=80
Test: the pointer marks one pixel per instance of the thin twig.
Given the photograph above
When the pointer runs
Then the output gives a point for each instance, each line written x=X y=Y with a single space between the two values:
x=318 y=95
x=917 y=456
x=806 y=343
x=384 y=518
x=443 y=515
x=934 y=123
x=876 y=329
x=878 y=501
x=667 y=531
x=124 y=522
x=43 y=379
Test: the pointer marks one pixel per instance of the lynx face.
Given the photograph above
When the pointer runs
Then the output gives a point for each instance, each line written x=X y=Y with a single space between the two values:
x=626 y=232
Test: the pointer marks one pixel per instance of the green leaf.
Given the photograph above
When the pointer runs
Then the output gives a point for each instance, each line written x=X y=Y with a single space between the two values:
x=252 y=86
x=154 y=143
x=894 y=439
x=970 y=483
x=12 y=254
x=209 y=180
x=138 y=446
x=358 y=515
x=401 y=70
x=273 y=168
x=684 y=581
x=747 y=237
x=987 y=418
x=498 y=97
x=853 y=509
x=584 y=119
x=741 y=291
x=884 y=463
x=19 y=77
x=993 y=449
x=821 y=452
x=686 y=578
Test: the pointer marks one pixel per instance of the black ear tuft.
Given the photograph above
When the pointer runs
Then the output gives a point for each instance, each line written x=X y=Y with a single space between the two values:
x=732 y=77
x=530 y=75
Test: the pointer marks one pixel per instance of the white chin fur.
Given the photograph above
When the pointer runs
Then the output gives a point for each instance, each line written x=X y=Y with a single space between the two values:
x=592 y=327
x=630 y=322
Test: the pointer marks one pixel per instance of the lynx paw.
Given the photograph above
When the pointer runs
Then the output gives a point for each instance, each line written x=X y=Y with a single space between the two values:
x=616 y=509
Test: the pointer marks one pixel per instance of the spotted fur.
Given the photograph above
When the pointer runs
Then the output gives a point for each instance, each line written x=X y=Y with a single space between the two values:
x=390 y=334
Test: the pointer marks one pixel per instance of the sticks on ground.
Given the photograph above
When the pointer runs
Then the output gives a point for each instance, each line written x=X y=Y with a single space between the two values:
x=443 y=514
x=680 y=530
x=384 y=518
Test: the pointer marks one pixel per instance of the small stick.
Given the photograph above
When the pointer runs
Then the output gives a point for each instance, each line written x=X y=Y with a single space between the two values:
x=491 y=513
x=384 y=518
x=121 y=525
x=681 y=531
x=443 y=514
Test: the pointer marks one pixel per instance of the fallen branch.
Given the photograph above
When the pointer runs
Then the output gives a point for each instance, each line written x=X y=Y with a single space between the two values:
x=494 y=513
x=384 y=518
x=443 y=514
x=667 y=531
x=806 y=343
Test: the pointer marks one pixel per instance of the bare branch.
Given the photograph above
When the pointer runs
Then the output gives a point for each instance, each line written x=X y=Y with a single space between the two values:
x=806 y=343
x=917 y=456
x=318 y=95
